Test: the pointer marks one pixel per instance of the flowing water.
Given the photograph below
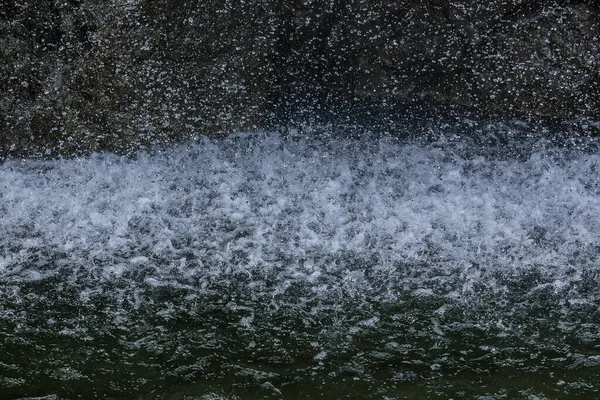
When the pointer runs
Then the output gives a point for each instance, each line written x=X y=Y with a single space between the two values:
x=283 y=266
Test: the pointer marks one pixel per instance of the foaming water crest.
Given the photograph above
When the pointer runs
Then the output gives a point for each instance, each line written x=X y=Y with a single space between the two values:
x=387 y=261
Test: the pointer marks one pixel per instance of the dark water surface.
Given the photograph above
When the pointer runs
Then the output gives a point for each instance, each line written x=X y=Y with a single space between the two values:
x=272 y=267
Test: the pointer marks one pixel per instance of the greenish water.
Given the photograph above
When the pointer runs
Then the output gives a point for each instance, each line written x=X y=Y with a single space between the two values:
x=172 y=348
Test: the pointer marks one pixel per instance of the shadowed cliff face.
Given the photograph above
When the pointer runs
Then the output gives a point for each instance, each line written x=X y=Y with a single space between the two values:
x=90 y=75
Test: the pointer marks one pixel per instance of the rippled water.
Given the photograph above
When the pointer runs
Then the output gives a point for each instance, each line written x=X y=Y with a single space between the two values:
x=268 y=266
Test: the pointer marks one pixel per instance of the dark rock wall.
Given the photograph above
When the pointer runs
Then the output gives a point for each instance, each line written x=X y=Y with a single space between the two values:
x=85 y=75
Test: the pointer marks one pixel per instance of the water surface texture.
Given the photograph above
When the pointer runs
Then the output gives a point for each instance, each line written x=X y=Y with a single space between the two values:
x=270 y=266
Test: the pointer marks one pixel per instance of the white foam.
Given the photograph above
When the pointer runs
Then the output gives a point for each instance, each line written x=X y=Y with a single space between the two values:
x=341 y=214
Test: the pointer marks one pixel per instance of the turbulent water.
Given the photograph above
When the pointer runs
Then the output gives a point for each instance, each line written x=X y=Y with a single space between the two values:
x=271 y=265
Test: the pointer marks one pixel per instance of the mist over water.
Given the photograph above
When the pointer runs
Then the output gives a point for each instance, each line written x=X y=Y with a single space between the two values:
x=270 y=265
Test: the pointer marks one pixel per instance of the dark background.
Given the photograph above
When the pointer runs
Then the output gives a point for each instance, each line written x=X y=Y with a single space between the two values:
x=125 y=75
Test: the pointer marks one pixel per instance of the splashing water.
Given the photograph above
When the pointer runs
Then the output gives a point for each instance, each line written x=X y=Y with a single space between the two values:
x=271 y=266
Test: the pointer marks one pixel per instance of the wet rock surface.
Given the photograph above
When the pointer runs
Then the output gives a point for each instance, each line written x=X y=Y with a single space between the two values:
x=84 y=76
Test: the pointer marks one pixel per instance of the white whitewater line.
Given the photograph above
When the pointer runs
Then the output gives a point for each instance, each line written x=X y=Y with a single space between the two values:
x=262 y=203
